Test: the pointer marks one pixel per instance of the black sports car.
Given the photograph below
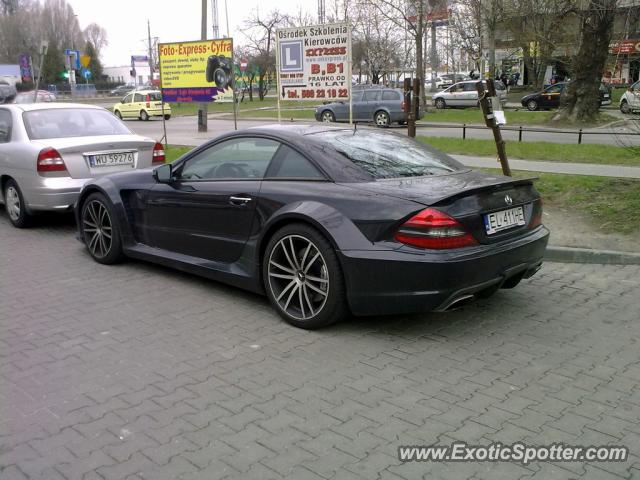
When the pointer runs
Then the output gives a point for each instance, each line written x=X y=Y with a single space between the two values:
x=324 y=220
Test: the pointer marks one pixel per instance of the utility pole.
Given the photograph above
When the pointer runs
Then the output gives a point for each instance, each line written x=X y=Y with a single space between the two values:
x=215 y=26
x=321 y=11
x=150 y=52
x=202 y=111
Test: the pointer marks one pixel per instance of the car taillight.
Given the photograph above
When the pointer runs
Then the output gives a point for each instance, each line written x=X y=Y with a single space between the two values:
x=49 y=160
x=434 y=229
x=158 y=153
x=536 y=219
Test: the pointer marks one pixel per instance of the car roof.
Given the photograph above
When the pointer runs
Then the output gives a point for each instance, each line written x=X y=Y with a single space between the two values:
x=26 y=107
x=147 y=90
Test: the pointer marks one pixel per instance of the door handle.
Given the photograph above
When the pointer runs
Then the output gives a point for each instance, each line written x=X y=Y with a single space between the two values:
x=233 y=200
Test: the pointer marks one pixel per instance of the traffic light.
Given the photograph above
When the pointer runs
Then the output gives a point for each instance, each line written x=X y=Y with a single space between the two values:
x=65 y=74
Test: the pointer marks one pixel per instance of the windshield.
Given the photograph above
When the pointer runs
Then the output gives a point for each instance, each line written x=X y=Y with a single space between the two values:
x=388 y=155
x=72 y=122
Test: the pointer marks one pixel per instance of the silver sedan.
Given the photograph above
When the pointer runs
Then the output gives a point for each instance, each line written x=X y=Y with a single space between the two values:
x=48 y=151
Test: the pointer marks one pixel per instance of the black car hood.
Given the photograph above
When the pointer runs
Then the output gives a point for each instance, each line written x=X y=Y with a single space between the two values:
x=430 y=190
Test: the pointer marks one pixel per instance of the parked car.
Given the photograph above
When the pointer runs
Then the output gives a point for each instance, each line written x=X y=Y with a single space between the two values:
x=325 y=220
x=49 y=150
x=121 y=90
x=630 y=100
x=551 y=97
x=28 y=97
x=464 y=94
x=7 y=92
x=142 y=105
x=383 y=106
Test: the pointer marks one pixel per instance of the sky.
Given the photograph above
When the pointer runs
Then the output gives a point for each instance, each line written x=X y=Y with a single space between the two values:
x=179 y=20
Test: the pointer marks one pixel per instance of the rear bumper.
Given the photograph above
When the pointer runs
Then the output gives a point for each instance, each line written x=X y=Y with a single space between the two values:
x=54 y=193
x=401 y=281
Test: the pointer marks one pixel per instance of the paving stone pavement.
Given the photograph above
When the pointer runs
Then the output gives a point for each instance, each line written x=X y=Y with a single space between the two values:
x=140 y=372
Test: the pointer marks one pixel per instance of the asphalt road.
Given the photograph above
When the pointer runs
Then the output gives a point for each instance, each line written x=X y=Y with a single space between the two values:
x=183 y=131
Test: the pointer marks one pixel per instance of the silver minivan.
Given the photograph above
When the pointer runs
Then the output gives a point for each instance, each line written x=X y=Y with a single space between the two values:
x=464 y=94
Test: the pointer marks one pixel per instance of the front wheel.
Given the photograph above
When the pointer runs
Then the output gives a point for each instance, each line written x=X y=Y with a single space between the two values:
x=624 y=107
x=303 y=278
x=328 y=116
x=118 y=114
x=144 y=115
x=381 y=118
x=167 y=116
x=100 y=230
x=441 y=104
x=15 y=206
x=532 y=105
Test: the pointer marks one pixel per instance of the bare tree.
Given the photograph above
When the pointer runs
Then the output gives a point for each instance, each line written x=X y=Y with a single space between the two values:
x=260 y=32
x=583 y=96
x=97 y=35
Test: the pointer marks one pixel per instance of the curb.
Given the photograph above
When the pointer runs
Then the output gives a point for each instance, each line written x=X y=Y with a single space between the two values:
x=587 y=255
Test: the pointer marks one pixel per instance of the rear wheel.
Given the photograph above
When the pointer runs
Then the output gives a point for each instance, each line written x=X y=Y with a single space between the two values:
x=381 y=118
x=167 y=116
x=328 y=116
x=624 y=107
x=303 y=278
x=118 y=114
x=15 y=206
x=532 y=105
x=144 y=115
x=441 y=104
x=100 y=230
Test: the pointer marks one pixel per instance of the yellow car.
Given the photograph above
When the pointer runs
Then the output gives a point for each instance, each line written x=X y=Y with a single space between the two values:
x=142 y=104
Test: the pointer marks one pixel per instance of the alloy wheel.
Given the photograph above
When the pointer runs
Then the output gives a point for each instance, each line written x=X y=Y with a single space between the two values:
x=382 y=119
x=532 y=105
x=327 y=116
x=97 y=228
x=12 y=200
x=440 y=103
x=624 y=107
x=298 y=277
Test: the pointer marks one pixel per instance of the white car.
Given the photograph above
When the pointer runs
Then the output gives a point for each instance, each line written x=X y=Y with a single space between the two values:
x=630 y=101
x=48 y=151
x=464 y=94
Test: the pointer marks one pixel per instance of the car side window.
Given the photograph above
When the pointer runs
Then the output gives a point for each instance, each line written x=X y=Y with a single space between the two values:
x=555 y=89
x=390 y=95
x=290 y=164
x=371 y=95
x=138 y=98
x=357 y=96
x=239 y=158
x=453 y=89
x=469 y=87
x=127 y=98
x=5 y=126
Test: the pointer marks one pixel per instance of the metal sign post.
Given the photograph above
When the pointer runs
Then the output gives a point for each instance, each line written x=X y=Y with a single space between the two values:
x=484 y=98
x=44 y=45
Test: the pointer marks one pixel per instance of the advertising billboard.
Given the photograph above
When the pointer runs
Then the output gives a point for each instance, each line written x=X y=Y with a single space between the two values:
x=199 y=71
x=314 y=62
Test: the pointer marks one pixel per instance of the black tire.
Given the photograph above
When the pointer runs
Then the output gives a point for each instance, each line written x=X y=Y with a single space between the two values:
x=328 y=116
x=381 y=119
x=440 y=104
x=326 y=292
x=15 y=206
x=144 y=116
x=118 y=114
x=532 y=105
x=167 y=117
x=97 y=219
x=624 y=107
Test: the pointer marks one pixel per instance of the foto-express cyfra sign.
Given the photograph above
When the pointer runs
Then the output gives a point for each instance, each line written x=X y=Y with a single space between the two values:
x=199 y=71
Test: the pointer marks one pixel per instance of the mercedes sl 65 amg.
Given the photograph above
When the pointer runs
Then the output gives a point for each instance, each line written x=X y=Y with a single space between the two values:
x=327 y=221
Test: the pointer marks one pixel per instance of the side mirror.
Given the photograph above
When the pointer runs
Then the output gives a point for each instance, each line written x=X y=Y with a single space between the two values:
x=163 y=174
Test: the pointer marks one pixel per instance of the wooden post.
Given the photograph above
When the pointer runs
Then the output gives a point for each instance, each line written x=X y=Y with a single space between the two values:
x=415 y=107
x=490 y=120
x=411 y=122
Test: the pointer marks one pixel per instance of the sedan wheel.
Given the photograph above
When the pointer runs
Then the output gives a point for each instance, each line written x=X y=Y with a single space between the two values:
x=532 y=105
x=624 y=107
x=303 y=278
x=382 y=119
x=14 y=204
x=328 y=116
x=101 y=235
x=440 y=104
